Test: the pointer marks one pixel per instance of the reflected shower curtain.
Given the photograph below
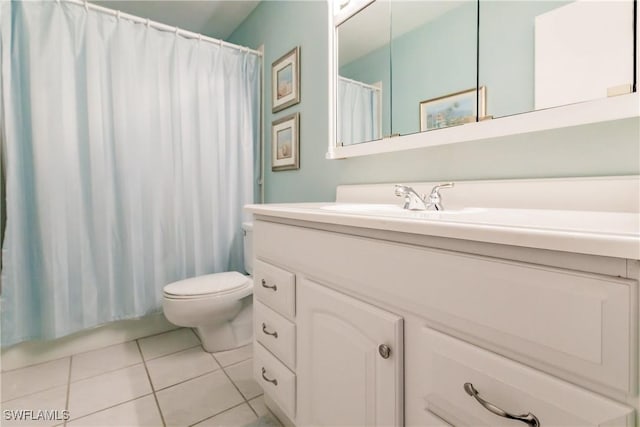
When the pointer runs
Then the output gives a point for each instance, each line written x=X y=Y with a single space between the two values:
x=129 y=158
x=358 y=112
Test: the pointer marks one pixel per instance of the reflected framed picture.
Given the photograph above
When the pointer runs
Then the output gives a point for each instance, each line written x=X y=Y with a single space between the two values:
x=285 y=80
x=285 y=143
x=452 y=110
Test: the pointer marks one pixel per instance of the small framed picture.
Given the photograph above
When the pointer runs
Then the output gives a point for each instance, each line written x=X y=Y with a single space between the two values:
x=285 y=80
x=285 y=143
x=452 y=110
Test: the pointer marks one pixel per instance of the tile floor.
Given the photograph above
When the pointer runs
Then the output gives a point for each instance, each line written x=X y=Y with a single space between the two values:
x=161 y=380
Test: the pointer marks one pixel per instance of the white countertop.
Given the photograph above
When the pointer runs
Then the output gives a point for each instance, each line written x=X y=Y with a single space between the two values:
x=613 y=234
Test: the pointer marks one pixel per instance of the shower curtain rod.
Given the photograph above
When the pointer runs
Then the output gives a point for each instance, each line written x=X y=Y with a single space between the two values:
x=368 y=86
x=157 y=25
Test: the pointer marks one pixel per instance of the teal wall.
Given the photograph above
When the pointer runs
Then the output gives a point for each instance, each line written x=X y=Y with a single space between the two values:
x=590 y=150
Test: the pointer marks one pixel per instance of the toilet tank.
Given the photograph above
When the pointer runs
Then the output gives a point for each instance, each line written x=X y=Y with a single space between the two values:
x=247 y=232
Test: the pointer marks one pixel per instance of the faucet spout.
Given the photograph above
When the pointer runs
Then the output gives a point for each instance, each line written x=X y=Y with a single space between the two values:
x=412 y=200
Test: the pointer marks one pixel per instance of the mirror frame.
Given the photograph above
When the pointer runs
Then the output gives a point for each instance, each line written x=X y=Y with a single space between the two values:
x=600 y=110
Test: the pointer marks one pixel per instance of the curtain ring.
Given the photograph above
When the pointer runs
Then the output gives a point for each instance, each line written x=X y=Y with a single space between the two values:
x=118 y=15
x=199 y=37
x=86 y=5
x=148 y=23
x=177 y=29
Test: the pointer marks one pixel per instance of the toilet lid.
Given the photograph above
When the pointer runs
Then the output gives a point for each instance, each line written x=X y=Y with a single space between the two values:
x=208 y=284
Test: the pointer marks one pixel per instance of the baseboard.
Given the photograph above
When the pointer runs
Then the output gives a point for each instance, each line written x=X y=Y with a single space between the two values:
x=33 y=352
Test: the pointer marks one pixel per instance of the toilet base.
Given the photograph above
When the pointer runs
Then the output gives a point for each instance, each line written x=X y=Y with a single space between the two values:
x=229 y=335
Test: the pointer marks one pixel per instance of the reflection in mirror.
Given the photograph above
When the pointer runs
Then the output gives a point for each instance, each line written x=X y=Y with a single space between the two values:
x=433 y=49
x=363 y=99
x=556 y=52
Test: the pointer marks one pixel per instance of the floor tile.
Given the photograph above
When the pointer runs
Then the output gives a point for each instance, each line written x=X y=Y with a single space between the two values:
x=177 y=367
x=242 y=376
x=35 y=378
x=105 y=359
x=102 y=391
x=169 y=342
x=234 y=417
x=53 y=401
x=140 y=412
x=265 y=421
x=194 y=400
x=229 y=357
x=258 y=405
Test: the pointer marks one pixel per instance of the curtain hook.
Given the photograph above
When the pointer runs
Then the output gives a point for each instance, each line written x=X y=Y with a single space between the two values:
x=199 y=37
x=148 y=23
x=86 y=5
x=177 y=29
x=118 y=15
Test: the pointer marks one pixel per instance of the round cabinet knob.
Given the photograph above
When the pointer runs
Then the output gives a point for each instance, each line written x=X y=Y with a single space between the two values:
x=384 y=350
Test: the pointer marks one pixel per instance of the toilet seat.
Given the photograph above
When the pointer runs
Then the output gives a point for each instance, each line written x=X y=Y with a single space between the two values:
x=209 y=285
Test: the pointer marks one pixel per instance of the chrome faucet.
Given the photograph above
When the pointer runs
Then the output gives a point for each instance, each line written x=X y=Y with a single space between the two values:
x=415 y=202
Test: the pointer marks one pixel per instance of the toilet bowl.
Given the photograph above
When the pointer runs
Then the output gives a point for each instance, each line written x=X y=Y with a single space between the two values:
x=219 y=306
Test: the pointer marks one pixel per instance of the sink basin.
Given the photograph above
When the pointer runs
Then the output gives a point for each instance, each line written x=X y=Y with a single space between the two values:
x=394 y=210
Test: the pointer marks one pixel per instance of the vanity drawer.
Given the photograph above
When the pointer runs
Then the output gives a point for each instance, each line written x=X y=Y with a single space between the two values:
x=449 y=363
x=276 y=333
x=276 y=288
x=276 y=380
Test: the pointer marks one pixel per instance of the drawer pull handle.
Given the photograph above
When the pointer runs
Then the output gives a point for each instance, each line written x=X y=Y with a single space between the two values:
x=528 y=419
x=264 y=329
x=264 y=377
x=264 y=285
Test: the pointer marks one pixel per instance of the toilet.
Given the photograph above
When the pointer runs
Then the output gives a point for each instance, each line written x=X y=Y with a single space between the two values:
x=219 y=306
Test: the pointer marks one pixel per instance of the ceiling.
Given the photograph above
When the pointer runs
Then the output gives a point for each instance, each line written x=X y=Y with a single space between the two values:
x=214 y=18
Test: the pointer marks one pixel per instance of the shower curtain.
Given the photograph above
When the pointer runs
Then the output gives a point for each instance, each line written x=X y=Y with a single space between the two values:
x=358 y=112
x=129 y=157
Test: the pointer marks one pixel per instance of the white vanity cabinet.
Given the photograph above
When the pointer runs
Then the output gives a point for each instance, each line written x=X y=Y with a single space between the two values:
x=350 y=360
x=550 y=333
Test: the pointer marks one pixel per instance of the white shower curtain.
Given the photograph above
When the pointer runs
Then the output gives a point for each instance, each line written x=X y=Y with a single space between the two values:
x=129 y=157
x=358 y=112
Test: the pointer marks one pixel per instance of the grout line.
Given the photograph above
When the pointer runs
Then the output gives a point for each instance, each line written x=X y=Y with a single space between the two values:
x=31 y=393
x=236 y=363
x=169 y=354
x=196 y=334
x=215 y=415
x=105 y=372
x=66 y=406
x=109 y=407
x=153 y=390
x=188 y=379
x=88 y=351
x=34 y=364
x=252 y=408
x=234 y=384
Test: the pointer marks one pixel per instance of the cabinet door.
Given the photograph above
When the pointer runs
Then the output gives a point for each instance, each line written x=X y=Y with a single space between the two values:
x=342 y=377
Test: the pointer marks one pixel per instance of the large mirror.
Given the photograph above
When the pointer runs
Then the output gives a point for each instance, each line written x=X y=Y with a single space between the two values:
x=541 y=54
x=364 y=76
x=409 y=66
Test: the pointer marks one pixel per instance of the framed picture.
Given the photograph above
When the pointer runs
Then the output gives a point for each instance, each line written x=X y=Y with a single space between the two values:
x=451 y=110
x=285 y=143
x=285 y=80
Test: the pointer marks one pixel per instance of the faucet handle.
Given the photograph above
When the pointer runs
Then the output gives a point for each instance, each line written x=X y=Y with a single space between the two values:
x=437 y=188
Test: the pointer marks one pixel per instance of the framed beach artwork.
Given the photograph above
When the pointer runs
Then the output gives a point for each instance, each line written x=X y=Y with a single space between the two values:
x=285 y=143
x=452 y=110
x=285 y=80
